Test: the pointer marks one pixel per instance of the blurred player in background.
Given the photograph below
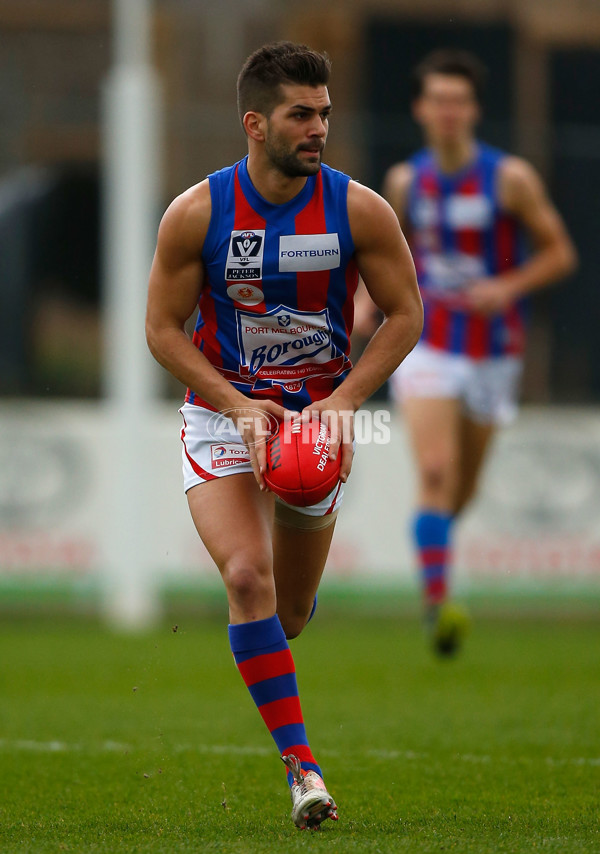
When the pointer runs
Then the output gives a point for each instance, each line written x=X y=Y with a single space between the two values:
x=270 y=249
x=466 y=208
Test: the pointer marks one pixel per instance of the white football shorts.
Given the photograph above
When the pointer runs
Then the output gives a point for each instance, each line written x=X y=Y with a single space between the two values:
x=212 y=447
x=488 y=388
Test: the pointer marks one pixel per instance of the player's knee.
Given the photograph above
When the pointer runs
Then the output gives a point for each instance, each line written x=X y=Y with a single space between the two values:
x=292 y=626
x=247 y=579
x=437 y=474
x=294 y=622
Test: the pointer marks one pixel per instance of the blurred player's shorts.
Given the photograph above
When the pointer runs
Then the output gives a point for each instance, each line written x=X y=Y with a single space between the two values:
x=488 y=388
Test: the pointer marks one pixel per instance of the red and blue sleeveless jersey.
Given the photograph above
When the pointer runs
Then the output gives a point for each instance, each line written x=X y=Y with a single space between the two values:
x=458 y=233
x=277 y=304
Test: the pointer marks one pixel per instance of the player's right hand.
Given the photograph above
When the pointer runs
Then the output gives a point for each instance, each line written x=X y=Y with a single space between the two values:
x=255 y=422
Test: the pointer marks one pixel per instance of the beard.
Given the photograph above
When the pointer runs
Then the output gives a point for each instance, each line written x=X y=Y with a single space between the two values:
x=287 y=159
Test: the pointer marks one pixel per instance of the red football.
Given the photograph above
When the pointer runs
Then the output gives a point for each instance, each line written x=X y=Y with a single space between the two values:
x=299 y=468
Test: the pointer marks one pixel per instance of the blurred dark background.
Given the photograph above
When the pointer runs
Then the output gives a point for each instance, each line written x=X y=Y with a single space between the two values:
x=544 y=88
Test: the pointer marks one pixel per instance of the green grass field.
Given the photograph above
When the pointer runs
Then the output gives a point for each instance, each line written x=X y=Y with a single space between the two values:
x=112 y=743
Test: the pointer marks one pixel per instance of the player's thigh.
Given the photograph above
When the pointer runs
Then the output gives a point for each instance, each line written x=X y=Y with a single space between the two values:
x=301 y=540
x=234 y=520
x=299 y=557
x=433 y=426
x=300 y=553
x=429 y=387
x=476 y=439
x=490 y=402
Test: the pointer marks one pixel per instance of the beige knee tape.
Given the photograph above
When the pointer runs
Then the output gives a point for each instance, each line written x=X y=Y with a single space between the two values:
x=287 y=517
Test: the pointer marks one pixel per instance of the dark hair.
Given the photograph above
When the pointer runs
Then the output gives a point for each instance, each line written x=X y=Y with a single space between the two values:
x=259 y=81
x=459 y=63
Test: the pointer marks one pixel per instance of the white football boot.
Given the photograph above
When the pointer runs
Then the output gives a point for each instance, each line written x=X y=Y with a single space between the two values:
x=311 y=802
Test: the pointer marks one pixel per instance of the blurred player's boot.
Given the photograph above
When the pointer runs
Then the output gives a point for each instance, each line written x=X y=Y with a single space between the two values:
x=311 y=802
x=447 y=626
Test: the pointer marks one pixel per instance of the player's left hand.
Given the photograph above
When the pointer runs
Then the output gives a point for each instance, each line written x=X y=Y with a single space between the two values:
x=489 y=296
x=338 y=414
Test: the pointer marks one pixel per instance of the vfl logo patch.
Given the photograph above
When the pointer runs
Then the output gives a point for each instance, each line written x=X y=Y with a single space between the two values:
x=306 y=252
x=245 y=255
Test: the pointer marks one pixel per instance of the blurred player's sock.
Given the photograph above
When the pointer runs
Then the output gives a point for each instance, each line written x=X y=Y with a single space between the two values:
x=432 y=530
x=263 y=657
x=446 y=624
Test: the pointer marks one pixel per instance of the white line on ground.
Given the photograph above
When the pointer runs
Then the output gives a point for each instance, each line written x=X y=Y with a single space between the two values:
x=28 y=745
x=23 y=744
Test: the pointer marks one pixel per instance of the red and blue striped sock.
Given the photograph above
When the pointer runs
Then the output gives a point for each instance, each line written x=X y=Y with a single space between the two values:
x=432 y=529
x=264 y=659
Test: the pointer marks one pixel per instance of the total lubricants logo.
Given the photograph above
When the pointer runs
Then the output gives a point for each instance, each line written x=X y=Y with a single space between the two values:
x=228 y=454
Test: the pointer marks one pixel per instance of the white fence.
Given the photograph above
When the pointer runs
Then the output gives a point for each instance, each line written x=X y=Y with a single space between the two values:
x=536 y=522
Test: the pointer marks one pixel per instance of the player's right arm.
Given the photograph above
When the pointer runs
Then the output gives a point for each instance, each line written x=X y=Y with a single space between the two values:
x=176 y=281
x=396 y=188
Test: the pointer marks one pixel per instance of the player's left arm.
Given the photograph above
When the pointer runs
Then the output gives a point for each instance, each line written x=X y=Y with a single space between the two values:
x=387 y=270
x=386 y=267
x=522 y=194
